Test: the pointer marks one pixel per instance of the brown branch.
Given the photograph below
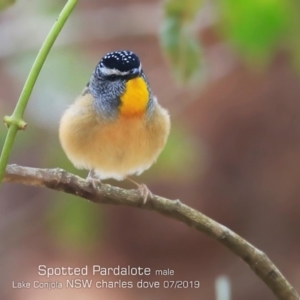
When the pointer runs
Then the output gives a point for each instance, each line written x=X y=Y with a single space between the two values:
x=58 y=179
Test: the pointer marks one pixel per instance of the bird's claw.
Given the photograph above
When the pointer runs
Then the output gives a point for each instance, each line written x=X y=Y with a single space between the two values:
x=92 y=180
x=145 y=192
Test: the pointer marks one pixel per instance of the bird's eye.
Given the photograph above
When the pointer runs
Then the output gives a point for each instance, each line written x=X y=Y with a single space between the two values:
x=113 y=77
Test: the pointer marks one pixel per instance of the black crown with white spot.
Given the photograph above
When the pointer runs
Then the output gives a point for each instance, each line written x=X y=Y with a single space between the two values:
x=123 y=61
x=119 y=63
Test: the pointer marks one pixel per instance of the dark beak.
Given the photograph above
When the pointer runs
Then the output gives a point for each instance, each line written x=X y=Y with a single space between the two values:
x=134 y=73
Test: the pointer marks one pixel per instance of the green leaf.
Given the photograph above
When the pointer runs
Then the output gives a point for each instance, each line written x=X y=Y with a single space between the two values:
x=183 y=10
x=255 y=27
x=170 y=38
x=179 y=44
x=190 y=58
x=182 y=49
x=6 y=3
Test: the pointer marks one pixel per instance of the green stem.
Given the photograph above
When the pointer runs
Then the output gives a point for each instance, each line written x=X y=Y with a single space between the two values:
x=15 y=121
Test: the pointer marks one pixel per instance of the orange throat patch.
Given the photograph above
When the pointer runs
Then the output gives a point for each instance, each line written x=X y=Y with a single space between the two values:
x=135 y=99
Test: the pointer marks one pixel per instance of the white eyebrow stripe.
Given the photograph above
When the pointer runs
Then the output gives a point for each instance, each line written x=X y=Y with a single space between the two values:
x=107 y=71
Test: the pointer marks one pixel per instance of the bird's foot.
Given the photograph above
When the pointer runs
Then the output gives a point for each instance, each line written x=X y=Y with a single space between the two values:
x=145 y=192
x=143 y=189
x=92 y=179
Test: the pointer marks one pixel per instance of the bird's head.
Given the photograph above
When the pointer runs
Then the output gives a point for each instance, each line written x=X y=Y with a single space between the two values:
x=119 y=83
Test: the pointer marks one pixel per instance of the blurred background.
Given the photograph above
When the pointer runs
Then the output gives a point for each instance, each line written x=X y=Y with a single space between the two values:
x=229 y=73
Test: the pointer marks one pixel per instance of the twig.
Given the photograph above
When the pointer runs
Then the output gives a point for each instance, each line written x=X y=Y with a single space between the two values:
x=15 y=122
x=60 y=180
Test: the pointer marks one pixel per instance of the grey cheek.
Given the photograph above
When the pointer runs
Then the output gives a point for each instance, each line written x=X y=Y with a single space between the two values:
x=106 y=109
x=107 y=101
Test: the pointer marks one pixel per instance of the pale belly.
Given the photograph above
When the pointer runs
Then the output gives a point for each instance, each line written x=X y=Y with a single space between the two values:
x=116 y=149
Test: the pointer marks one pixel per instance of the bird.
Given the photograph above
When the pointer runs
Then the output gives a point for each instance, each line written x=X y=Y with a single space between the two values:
x=116 y=128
